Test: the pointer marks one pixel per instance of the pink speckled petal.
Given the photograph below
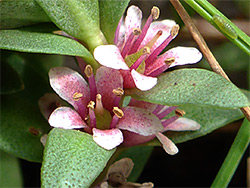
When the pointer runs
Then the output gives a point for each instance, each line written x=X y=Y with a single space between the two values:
x=133 y=139
x=182 y=55
x=167 y=144
x=127 y=78
x=66 y=118
x=107 y=139
x=48 y=103
x=132 y=20
x=110 y=56
x=108 y=79
x=164 y=25
x=183 y=124
x=120 y=34
x=139 y=121
x=66 y=82
x=143 y=82
x=142 y=104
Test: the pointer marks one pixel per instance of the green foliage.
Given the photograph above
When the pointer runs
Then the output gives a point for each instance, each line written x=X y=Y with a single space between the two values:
x=193 y=86
x=111 y=12
x=10 y=80
x=78 y=18
x=16 y=13
x=22 y=125
x=72 y=159
x=10 y=172
x=34 y=42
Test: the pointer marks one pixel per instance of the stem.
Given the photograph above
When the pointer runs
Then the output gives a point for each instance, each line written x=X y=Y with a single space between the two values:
x=234 y=156
x=207 y=11
x=203 y=46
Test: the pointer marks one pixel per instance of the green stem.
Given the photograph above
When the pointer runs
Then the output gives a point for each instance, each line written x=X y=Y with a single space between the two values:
x=207 y=11
x=234 y=156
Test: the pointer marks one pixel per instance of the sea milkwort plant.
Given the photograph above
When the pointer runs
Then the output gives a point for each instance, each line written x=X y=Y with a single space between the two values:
x=103 y=84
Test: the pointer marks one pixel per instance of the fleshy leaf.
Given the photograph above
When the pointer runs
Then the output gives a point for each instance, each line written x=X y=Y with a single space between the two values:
x=10 y=171
x=193 y=86
x=16 y=13
x=33 y=42
x=22 y=125
x=78 y=18
x=111 y=12
x=72 y=159
x=11 y=82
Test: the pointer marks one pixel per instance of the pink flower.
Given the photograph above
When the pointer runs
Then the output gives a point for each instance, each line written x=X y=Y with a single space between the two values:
x=136 y=52
x=97 y=110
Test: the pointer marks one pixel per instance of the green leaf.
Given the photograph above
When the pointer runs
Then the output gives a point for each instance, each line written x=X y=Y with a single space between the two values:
x=10 y=172
x=11 y=82
x=210 y=119
x=72 y=159
x=111 y=12
x=78 y=18
x=193 y=87
x=22 y=125
x=33 y=42
x=16 y=13
x=140 y=156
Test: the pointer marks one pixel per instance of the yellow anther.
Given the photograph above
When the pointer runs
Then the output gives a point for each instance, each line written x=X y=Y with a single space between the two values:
x=170 y=60
x=118 y=91
x=175 y=30
x=88 y=71
x=180 y=112
x=136 y=31
x=77 y=96
x=91 y=105
x=155 y=12
x=118 y=112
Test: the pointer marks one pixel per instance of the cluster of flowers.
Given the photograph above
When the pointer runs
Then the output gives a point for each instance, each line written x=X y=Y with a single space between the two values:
x=133 y=62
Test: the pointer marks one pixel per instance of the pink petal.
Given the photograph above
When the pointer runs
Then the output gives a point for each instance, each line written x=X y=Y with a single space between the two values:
x=110 y=56
x=183 y=124
x=107 y=139
x=143 y=82
x=133 y=139
x=139 y=121
x=132 y=20
x=120 y=34
x=182 y=55
x=164 y=25
x=128 y=80
x=108 y=79
x=66 y=83
x=48 y=103
x=142 y=104
x=167 y=144
x=66 y=118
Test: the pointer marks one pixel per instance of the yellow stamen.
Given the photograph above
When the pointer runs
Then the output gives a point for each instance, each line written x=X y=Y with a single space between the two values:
x=154 y=39
x=175 y=30
x=88 y=71
x=170 y=60
x=136 y=31
x=118 y=91
x=91 y=105
x=118 y=112
x=77 y=96
x=180 y=112
x=155 y=12
x=99 y=106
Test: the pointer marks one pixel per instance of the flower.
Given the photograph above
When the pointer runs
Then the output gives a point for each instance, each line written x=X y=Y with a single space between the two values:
x=136 y=52
x=97 y=110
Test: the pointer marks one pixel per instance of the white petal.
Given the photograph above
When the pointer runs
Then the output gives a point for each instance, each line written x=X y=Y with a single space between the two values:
x=132 y=20
x=107 y=139
x=167 y=144
x=183 y=124
x=66 y=118
x=110 y=56
x=143 y=82
x=183 y=55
